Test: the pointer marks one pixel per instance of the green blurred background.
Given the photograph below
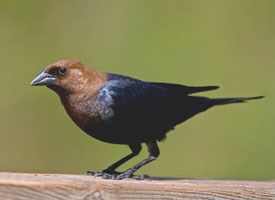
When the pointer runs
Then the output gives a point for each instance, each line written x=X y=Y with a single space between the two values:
x=229 y=43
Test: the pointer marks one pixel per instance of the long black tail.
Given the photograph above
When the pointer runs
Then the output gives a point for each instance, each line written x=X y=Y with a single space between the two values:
x=224 y=101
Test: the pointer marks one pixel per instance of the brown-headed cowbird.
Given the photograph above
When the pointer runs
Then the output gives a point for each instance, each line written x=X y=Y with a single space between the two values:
x=123 y=110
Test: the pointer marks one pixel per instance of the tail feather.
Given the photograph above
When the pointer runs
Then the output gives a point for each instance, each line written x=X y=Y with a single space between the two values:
x=224 y=101
x=192 y=90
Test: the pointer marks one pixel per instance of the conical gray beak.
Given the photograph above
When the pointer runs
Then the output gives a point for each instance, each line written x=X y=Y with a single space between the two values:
x=43 y=79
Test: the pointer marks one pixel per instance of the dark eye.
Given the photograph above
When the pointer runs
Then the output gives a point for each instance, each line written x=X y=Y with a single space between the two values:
x=62 y=71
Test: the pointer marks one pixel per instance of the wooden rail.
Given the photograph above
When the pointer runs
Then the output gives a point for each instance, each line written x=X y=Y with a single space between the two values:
x=72 y=187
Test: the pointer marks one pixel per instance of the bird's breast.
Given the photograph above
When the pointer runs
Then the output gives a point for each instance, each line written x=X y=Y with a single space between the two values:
x=89 y=113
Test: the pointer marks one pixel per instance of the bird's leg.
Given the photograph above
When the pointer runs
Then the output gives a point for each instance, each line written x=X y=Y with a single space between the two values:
x=153 y=154
x=135 y=151
x=110 y=171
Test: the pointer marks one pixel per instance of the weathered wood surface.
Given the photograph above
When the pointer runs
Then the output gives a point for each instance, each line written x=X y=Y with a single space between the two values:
x=72 y=187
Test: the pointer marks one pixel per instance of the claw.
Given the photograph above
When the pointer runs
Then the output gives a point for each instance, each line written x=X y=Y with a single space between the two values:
x=121 y=176
x=108 y=176
x=114 y=175
x=104 y=174
x=96 y=174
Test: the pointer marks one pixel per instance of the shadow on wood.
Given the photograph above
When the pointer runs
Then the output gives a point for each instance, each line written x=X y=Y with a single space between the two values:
x=72 y=187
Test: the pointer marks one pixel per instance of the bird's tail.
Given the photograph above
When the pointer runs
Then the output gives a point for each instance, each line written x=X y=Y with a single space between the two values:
x=224 y=101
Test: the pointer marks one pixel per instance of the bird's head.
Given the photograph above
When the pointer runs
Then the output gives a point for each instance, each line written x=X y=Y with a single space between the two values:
x=67 y=76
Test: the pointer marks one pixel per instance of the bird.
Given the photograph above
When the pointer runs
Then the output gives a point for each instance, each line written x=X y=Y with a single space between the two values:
x=123 y=110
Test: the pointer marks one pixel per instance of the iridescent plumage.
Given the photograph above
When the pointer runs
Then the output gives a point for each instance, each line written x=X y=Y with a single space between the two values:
x=123 y=110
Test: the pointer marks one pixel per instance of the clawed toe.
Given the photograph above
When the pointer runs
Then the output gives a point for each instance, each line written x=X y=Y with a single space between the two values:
x=121 y=176
x=114 y=175
x=96 y=174
x=104 y=174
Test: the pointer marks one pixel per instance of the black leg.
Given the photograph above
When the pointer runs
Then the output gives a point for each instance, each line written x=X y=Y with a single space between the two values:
x=135 y=151
x=136 y=148
x=153 y=154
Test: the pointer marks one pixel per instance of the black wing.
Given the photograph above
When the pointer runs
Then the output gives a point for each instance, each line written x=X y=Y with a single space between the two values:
x=147 y=111
x=184 y=89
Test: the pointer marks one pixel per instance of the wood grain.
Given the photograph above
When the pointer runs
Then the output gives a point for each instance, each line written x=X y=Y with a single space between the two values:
x=72 y=187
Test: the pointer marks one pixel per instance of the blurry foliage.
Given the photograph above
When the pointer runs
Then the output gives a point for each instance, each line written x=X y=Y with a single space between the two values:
x=229 y=43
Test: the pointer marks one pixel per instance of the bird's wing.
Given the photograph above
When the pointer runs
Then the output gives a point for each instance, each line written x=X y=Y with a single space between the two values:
x=184 y=89
x=132 y=95
x=137 y=107
x=149 y=109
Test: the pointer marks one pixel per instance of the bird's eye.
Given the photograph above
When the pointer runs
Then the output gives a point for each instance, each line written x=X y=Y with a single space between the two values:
x=62 y=71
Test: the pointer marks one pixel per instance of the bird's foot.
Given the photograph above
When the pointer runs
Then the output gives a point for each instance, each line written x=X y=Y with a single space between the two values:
x=124 y=175
x=114 y=175
x=104 y=173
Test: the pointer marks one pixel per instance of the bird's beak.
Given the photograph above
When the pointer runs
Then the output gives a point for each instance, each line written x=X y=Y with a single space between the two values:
x=43 y=78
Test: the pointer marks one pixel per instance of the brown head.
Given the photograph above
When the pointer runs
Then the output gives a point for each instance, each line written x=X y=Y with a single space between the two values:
x=69 y=76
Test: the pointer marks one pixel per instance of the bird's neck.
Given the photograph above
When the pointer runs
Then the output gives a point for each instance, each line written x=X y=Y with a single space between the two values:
x=80 y=102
